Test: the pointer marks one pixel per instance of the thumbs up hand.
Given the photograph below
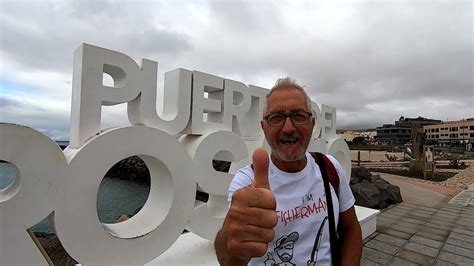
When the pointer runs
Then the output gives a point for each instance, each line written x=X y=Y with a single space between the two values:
x=249 y=224
x=260 y=168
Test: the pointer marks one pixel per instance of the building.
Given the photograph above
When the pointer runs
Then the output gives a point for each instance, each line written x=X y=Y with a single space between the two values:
x=349 y=135
x=451 y=131
x=400 y=132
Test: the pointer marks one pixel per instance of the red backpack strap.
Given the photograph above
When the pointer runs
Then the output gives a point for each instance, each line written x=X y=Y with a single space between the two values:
x=332 y=172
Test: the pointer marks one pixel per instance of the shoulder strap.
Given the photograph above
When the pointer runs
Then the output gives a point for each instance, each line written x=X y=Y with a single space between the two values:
x=332 y=172
x=332 y=223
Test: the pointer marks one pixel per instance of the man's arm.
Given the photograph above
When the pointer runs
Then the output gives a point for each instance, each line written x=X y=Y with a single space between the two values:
x=352 y=234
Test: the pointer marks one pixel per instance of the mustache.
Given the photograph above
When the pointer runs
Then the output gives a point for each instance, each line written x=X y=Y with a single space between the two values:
x=293 y=135
x=286 y=253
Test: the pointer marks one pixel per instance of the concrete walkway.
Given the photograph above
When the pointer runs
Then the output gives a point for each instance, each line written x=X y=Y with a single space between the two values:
x=415 y=194
x=426 y=231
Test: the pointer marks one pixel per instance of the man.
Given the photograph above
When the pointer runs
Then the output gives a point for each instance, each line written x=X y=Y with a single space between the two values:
x=282 y=197
x=429 y=155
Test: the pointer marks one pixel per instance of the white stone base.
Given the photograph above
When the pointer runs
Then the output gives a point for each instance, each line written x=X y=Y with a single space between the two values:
x=367 y=219
x=191 y=249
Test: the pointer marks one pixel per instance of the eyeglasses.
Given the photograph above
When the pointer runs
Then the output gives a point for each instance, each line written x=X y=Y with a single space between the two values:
x=277 y=120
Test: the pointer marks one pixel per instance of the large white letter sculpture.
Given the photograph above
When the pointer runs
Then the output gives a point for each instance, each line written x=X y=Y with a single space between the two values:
x=221 y=122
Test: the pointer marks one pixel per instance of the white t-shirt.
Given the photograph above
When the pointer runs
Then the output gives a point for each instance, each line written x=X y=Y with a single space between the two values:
x=301 y=211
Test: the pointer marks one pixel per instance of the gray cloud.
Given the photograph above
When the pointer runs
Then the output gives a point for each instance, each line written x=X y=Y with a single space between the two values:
x=52 y=123
x=245 y=17
x=374 y=61
x=44 y=35
x=11 y=103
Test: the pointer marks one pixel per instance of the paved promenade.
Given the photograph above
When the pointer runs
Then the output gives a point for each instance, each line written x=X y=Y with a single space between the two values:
x=441 y=233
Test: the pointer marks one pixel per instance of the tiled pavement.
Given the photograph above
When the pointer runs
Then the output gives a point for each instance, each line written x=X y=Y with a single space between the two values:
x=417 y=235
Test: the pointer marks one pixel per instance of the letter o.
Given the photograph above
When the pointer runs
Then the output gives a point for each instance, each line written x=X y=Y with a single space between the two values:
x=32 y=195
x=152 y=230
x=338 y=148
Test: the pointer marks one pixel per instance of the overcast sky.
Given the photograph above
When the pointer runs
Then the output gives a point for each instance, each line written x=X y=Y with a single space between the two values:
x=373 y=60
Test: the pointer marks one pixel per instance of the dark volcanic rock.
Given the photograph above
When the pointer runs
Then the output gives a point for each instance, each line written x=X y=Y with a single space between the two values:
x=122 y=218
x=132 y=168
x=221 y=166
x=372 y=191
x=376 y=178
x=358 y=174
x=54 y=249
x=366 y=194
x=395 y=195
x=361 y=172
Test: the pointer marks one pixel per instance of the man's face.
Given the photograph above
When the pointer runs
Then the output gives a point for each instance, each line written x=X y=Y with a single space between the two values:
x=288 y=142
x=285 y=252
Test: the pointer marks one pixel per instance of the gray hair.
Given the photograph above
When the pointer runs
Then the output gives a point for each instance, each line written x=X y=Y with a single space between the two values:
x=285 y=83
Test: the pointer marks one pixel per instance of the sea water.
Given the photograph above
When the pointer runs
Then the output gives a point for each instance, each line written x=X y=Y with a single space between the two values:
x=114 y=197
x=7 y=174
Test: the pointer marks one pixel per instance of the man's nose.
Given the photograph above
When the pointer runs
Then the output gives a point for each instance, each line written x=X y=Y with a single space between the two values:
x=288 y=125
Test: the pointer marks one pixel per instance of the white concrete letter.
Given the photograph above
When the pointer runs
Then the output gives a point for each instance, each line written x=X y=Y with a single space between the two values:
x=328 y=120
x=255 y=114
x=221 y=145
x=89 y=93
x=152 y=230
x=210 y=106
x=318 y=120
x=32 y=196
x=338 y=148
x=176 y=101
x=236 y=105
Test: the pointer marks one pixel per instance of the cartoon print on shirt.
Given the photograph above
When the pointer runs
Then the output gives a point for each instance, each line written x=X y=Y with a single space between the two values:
x=284 y=250
x=317 y=243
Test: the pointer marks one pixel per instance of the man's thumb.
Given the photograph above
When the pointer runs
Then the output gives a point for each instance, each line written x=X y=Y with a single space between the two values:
x=260 y=168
